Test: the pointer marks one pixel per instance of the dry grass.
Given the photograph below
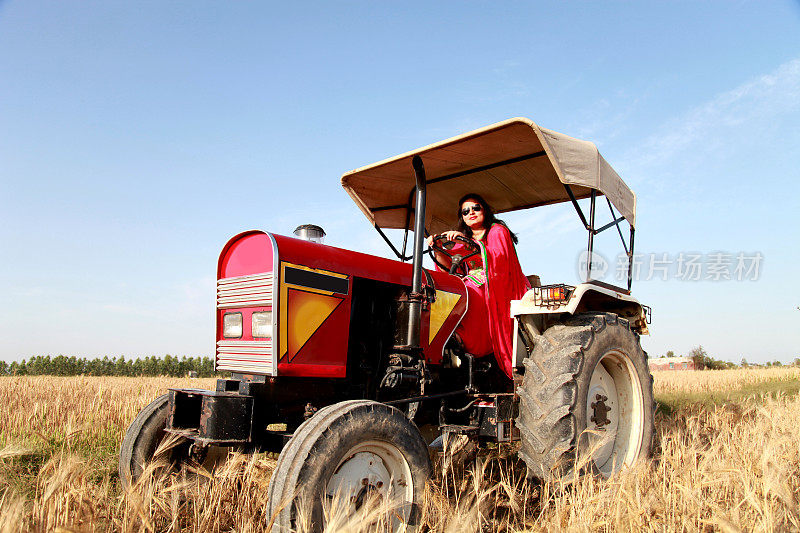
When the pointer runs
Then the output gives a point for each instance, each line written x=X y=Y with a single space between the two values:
x=729 y=464
x=671 y=381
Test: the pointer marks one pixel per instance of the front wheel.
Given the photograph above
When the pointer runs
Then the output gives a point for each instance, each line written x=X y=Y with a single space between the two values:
x=352 y=461
x=144 y=437
x=587 y=394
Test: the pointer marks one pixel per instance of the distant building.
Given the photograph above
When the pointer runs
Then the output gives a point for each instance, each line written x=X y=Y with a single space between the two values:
x=191 y=374
x=671 y=363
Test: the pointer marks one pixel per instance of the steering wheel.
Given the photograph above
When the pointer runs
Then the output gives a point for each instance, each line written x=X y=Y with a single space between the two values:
x=457 y=265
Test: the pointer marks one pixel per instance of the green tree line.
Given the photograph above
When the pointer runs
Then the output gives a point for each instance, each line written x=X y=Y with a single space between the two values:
x=62 y=365
x=704 y=361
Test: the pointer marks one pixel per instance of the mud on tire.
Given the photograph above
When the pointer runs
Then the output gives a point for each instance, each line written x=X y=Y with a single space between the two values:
x=586 y=389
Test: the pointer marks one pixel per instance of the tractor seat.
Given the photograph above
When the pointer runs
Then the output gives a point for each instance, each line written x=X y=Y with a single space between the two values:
x=534 y=280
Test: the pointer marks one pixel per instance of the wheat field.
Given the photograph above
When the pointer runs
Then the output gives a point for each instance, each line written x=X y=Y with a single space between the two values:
x=727 y=459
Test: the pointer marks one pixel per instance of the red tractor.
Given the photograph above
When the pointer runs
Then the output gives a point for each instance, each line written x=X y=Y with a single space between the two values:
x=342 y=361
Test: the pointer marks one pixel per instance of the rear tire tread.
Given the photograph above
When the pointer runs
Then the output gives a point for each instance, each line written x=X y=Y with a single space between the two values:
x=549 y=391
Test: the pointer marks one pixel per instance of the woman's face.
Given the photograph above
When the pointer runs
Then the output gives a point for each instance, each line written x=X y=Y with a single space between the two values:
x=472 y=213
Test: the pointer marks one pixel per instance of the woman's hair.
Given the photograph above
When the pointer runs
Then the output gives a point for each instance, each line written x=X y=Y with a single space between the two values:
x=488 y=217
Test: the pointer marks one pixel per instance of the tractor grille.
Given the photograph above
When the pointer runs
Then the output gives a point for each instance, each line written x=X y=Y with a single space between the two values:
x=245 y=291
x=247 y=356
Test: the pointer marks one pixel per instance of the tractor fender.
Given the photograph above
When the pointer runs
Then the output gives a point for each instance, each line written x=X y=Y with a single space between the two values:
x=587 y=297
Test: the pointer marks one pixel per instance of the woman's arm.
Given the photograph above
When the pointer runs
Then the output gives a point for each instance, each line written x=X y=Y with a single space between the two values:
x=441 y=257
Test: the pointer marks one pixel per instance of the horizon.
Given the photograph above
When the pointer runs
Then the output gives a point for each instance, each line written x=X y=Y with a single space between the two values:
x=135 y=140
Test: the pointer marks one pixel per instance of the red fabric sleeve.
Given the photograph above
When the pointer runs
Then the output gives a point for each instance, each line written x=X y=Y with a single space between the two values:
x=505 y=282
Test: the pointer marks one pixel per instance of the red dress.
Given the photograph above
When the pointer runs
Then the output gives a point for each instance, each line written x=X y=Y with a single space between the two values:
x=487 y=326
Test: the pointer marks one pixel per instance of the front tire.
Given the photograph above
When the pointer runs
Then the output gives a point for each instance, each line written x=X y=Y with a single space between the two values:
x=142 y=439
x=145 y=435
x=346 y=455
x=587 y=393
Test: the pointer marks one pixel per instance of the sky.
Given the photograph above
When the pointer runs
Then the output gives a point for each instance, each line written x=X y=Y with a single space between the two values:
x=136 y=138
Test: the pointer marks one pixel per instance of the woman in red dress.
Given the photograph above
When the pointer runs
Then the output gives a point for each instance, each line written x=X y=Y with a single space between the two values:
x=492 y=282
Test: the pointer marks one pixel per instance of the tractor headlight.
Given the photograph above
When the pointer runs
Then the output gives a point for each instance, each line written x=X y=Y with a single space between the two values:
x=232 y=325
x=262 y=324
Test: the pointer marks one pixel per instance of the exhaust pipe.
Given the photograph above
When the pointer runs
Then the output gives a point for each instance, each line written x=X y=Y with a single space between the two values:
x=415 y=298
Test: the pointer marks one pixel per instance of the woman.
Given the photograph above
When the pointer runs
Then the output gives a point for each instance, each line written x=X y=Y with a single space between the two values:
x=494 y=282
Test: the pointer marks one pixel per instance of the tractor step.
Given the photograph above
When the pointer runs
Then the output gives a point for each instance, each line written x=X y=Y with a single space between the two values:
x=210 y=417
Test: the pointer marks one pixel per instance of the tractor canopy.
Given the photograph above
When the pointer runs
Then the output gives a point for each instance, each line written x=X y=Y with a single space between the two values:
x=513 y=164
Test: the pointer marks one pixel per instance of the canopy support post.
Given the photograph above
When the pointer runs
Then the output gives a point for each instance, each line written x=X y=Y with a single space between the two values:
x=615 y=223
x=392 y=246
x=591 y=236
x=630 y=261
x=577 y=206
x=612 y=223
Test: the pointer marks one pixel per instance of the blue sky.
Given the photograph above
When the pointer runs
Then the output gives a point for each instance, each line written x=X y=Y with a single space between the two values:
x=137 y=137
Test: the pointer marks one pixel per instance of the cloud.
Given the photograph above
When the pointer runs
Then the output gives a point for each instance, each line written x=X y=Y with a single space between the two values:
x=743 y=112
x=29 y=292
x=506 y=66
x=544 y=226
x=606 y=120
x=195 y=297
x=127 y=309
x=179 y=300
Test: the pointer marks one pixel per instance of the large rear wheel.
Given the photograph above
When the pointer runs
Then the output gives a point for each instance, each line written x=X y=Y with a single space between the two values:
x=352 y=461
x=586 y=399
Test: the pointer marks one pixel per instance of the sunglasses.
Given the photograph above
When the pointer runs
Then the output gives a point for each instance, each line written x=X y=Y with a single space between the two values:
x=474 y=208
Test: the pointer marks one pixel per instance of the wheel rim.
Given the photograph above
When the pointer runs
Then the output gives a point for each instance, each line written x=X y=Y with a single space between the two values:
x=373 y=471
x=614 y=413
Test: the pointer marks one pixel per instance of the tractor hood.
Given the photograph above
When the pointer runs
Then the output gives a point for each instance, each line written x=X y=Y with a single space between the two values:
x=513 y=164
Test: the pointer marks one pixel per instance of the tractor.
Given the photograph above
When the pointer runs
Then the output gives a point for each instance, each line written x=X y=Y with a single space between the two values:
x=346 y=364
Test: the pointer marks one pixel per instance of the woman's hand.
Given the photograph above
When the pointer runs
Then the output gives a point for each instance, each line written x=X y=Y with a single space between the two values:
x=451 y=235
